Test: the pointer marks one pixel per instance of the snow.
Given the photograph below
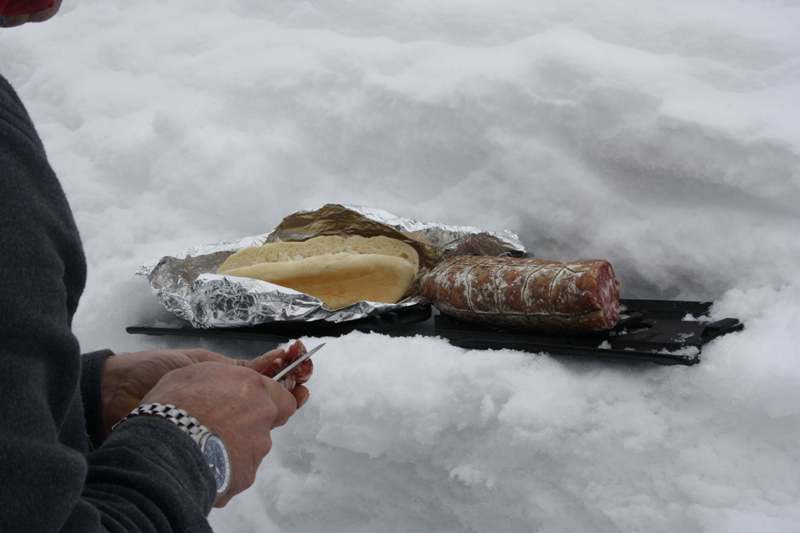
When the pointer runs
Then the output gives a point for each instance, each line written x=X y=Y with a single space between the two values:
x=662 y=136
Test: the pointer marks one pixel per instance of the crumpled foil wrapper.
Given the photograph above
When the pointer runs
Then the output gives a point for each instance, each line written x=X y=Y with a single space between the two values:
x=187 y=284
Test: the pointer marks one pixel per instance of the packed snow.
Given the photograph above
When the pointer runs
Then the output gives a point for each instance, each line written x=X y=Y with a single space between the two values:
x=664 y=136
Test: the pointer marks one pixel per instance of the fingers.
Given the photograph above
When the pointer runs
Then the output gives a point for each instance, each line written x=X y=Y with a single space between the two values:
x=301 y=394
x=275 y=360
x=296 y=350
x=284 y=401
x=200 y=355
x=303 y=371
x=288 y=382
x=269 y=363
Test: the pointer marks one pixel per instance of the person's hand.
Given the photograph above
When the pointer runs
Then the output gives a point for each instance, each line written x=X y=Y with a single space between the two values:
x=127 y=378
x=273 y=362
x=235 y=402
x=38 y=15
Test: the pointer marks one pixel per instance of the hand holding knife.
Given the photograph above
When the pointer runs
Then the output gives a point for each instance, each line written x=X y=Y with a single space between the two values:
x=293 y=375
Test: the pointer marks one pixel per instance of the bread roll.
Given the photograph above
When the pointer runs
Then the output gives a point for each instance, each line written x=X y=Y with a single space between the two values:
x=340 y=271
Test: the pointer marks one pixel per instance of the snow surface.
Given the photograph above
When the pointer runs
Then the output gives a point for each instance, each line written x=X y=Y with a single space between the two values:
x=664 y=136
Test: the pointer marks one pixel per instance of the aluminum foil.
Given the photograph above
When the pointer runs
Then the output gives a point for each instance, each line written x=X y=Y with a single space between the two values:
x=445 y=238
x=187 y=284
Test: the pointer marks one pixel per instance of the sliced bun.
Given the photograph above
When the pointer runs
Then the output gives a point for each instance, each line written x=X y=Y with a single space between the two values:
x=340 y=271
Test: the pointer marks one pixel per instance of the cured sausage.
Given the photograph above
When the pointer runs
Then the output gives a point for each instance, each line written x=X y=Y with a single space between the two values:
x=531 y=294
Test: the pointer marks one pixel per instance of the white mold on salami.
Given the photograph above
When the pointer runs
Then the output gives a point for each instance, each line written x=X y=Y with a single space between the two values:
x=535 y=294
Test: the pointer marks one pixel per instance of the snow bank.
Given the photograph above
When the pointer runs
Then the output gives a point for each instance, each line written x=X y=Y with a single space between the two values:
x=663 y=137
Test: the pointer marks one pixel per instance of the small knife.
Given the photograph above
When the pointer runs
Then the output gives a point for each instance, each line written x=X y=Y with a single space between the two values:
x=283 y=373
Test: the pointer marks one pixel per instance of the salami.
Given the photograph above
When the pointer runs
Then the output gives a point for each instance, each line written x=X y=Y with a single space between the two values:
x=532 y=294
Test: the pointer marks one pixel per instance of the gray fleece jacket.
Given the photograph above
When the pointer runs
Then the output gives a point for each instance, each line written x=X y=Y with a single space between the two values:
x=56 y=472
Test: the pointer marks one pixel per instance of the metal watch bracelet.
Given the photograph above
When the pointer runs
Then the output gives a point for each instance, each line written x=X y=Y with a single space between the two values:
x=177 y=416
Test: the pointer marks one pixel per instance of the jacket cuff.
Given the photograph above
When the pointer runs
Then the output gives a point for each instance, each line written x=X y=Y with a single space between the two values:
x=173 y=454
x=91 y=377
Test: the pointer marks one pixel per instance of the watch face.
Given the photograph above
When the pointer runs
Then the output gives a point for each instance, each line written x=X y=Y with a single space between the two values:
x=217 y=458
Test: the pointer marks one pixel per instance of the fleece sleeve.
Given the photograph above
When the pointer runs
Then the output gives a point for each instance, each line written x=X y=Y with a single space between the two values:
x=146 y=476
x=91 y=377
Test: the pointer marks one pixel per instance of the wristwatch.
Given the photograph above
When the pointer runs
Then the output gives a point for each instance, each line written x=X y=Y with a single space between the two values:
x=211 y=446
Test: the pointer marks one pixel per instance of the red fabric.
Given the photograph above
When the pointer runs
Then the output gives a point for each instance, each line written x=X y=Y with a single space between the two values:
x=10 y=8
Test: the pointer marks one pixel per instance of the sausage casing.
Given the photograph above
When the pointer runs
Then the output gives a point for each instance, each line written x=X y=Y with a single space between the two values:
x=521 y=293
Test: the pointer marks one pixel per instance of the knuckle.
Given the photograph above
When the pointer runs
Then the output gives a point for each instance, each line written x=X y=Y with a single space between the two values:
x=265 y=447
x=290 y=409
x=248 y=478
x=268 y=445
x=222 y=501
x=289 y=403
x=252 y=380
x=254 y=376
x=269 y=411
